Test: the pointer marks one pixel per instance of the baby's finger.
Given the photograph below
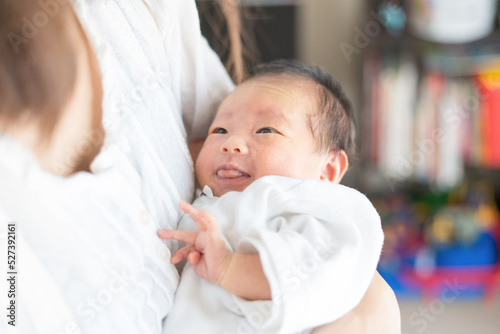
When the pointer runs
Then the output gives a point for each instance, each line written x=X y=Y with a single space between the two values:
x=186 y=207
x=194 y=257
x=202 y=218
x=185 y=236
x=180 y=254
x=194 y=213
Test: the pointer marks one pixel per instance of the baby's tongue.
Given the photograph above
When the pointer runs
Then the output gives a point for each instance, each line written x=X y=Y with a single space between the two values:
x=229 y=173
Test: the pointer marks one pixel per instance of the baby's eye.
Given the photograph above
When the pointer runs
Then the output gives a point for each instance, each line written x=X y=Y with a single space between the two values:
x=267 y=130
x=220 y=131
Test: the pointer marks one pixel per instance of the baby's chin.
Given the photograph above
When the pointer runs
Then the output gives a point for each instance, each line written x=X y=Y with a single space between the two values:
x=219 y=191
x=221 y=186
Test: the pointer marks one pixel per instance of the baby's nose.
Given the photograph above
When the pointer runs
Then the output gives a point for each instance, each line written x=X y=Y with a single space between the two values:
x=234 y=144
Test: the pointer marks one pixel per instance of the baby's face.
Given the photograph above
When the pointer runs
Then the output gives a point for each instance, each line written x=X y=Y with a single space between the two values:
x=261 y=129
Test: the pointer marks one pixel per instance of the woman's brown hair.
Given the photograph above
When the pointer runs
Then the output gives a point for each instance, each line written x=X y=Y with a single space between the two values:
x=38 y=63
x=235 y=41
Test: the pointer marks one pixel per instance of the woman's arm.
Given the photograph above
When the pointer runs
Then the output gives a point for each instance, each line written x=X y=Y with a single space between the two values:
x=377 y=313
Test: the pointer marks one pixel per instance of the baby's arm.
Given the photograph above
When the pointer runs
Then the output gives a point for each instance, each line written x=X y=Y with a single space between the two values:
x=238 y=273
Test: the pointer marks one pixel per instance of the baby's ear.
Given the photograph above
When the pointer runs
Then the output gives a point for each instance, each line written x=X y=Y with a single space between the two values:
x=335 y=167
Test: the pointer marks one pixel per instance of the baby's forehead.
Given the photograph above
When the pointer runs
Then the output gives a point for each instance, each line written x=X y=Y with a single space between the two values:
x=283 y=79
x=275 y=87
x=290 y=97
x=304 y=91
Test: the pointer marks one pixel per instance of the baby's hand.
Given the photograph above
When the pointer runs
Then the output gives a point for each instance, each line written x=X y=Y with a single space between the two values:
x=205 y=251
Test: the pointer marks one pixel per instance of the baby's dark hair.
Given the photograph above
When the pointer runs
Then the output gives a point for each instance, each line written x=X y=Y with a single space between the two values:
x=334 y=126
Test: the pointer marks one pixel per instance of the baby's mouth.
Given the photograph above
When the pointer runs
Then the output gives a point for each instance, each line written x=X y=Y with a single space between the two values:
x=230 y=172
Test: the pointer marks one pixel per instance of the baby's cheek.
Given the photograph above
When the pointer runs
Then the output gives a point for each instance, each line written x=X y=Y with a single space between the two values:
x=275 y=163
x=200 y=170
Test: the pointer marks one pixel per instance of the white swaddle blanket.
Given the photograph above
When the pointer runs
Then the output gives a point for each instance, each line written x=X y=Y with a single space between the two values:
x=90 y=258
x=319 y=244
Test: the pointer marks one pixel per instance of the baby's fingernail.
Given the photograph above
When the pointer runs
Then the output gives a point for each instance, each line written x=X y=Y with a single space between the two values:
x=182 y=205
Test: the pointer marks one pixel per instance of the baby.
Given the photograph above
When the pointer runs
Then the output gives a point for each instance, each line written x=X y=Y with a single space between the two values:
x=274 y=244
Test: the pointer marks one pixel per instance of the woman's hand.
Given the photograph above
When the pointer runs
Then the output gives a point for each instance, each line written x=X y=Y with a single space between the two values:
x=205 y=251
x=377 y=313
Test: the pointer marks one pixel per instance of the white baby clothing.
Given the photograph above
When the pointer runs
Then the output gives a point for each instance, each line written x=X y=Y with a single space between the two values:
x=319 y=244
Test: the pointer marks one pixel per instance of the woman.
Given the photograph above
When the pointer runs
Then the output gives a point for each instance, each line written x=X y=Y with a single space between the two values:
x=90 y=258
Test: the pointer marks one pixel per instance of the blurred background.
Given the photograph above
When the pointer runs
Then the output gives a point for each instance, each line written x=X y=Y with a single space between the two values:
x=424 y=78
